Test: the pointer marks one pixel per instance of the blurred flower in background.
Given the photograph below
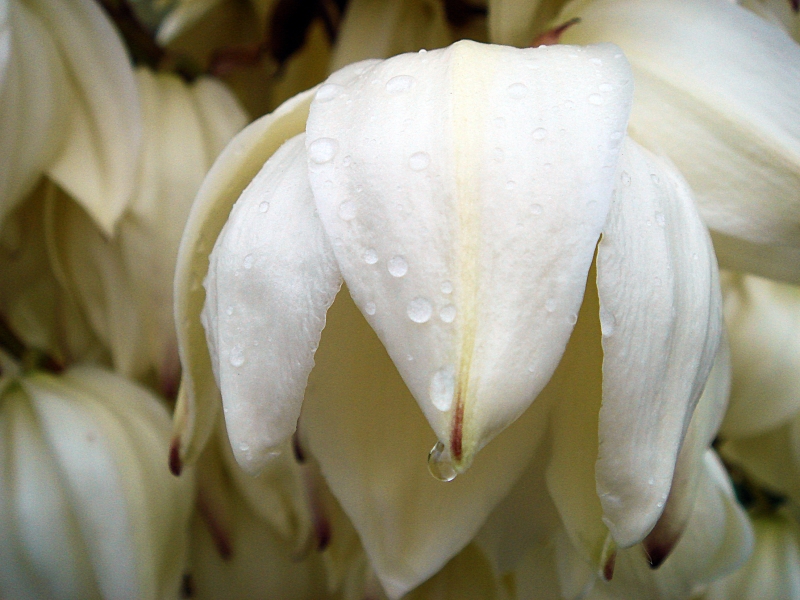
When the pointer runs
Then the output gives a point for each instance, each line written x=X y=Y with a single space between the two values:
x=112 y=113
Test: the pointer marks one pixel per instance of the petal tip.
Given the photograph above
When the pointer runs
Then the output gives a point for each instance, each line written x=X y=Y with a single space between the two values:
x=175 y=461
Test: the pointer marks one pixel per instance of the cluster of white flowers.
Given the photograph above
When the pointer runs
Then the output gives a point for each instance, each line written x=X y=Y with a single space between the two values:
x=497 y=300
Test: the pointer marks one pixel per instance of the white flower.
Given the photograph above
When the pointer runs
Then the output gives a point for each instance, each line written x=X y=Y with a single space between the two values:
x=88 y=507
x=460 y=194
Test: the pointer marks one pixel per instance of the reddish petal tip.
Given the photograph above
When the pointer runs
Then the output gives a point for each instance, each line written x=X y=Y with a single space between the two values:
x=552 y=36
x=175 y=464
x=608 y=568
x=657 y=551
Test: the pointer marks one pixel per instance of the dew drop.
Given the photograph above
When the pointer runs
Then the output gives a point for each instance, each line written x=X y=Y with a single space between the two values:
x=651 y=481
x=322 y=150
x=244 y=446
x=263 y=207
x=660 y=504
x=370 y=256
x=595 y=99
x=328 y=92
x=539 y=133
x=248 y=261
x=625 y=178
x=419 y=310
x=440 y=465
x=547 y=165
x=606 y=87
x=447 y=313
x=229 y=311
x=660 y=219
x=510 y=185
x=550 y=304
x=397 y=266
x=447 y=287
x=419 y=161
x=572 y=319
x=422 y=51
x=656 y=179
x=370 y=308
x=347 y=210
x=237 y=356
x=608 y=322
x=443 y=387
x=399 y=84
x=347 y=160
x=517 y=90
x=536 y=209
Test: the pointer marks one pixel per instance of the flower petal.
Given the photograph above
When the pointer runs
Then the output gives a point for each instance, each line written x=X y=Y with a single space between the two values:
x=515 y=23
x=660 y=310
x=361 y=423
x=198 y=399
x=99 y=159
x=716 y=91
x=447 y=184
x=271 y=278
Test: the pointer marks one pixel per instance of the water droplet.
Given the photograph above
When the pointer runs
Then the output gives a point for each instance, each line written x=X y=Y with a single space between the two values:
x=499 y=155
x=606 y=87
x=547 y=165
x=651 y=481
x=550 y=304
x=244 y=446
x=237 y=355
x=419 y=161
x=443 y=387
x=499 y=122
x=531 y=369
x=322 y=150
x=625 y=178
x=370 y=256
x=248 y=261
x=517 y=90
x=656 y=179
x=536 y=209
x=608 y=322
x=328 y=92
x=399 y=84
x=572 y=319
x=660 y=504
x=347 y=210
x=397 y=266
x=229 y=311
x=447 y=287
x=510 y=185
x=263 y=207
x=440 y=465
x=419 y=310
x=347 y=160
x=660 y=219
x=539 y=133
x=595 y=99
x=423 y=51
x=370 y=308
x=447 y=313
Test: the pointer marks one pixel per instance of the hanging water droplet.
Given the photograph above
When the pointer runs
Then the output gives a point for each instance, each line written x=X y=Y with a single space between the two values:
x=328 y=92
x=595 y=99
x=370 y=256
x=370 y=308
x=399 y=84
x=397 y=266
x=517 y=90
x=606 y=87
x=550 y=304
x=419 y=310
x=440 y=465
x=536 y=209
x=539 y=133
x=625 y=178
x=347 y=210
x=656 y=179
x=263 y=207
x=447 y=313
x=419 y=161
x=322 y=150
x=443 y=387
x=248 y=261
x=237 y=356
x=447 y=287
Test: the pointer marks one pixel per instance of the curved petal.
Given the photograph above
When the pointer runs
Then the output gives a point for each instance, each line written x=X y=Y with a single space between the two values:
x=198 y=398
x=99 y=159
x=661 y=313
x=774 y=262
x=447 y=184
x=271 y=278
x=716 y=91
x=363 y=426
x=763 y=320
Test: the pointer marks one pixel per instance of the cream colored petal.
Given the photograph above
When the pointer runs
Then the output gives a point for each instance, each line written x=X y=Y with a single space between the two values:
x=185 y=14
x=271 y=278
x=99 y=158
x=362 y=425
x=763 y=320
x=456 y=217
x=773 y=262
x=661 y=315
x=715 y=91
x=198 y=401
x=516 y=23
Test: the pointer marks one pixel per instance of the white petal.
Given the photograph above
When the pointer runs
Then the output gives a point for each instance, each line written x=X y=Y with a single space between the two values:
x=198 y=399
x=271 y=278
x=446 y=182
x=763 y=318
x=371 y=441
x=716 y=91
x=660 y=309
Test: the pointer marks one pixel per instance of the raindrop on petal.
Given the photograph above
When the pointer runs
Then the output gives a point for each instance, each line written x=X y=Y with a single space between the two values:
x=322 y=150
x=399 y=84
x=443 y=387
x=440 y=465
x=419 y=310
x=419 y=161
x=397 y=266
